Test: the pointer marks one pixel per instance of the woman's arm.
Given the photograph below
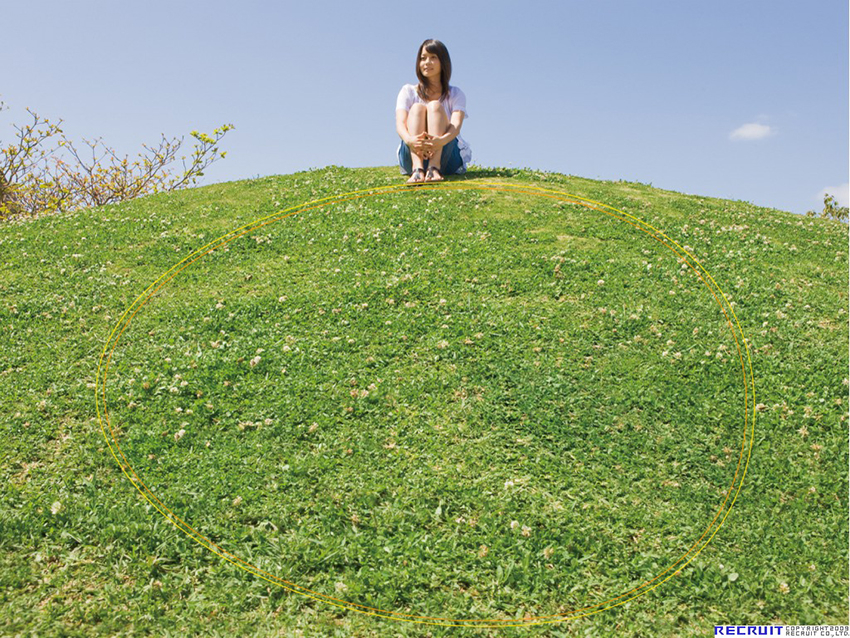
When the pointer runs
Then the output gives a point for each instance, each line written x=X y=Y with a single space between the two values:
x=401 y=125
x=452 y=131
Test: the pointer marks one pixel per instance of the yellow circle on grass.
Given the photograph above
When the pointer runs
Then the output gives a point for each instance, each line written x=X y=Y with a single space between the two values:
x=683 y=255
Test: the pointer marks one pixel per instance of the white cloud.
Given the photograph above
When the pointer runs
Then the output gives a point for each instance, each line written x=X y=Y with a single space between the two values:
x=751 y=131
x=840 y=193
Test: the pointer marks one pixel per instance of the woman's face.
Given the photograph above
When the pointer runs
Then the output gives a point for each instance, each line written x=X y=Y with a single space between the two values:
x=429 y=64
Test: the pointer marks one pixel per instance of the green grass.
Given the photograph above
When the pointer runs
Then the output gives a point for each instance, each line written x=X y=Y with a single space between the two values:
x=450 y=415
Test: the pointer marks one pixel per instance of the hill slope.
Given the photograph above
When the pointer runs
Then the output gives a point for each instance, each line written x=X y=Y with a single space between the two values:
x=477 y=400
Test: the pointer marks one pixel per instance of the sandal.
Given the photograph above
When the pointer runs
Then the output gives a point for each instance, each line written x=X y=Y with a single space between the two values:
x=417 y=177
x=430 y=176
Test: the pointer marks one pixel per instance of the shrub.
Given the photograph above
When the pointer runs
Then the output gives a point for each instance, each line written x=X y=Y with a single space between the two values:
x=42 y=171
x=831 y=210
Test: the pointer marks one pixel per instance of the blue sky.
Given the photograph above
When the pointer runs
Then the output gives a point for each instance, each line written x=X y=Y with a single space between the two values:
x=737 y=99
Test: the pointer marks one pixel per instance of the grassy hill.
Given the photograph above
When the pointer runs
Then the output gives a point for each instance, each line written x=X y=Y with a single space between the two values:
x=478 y=403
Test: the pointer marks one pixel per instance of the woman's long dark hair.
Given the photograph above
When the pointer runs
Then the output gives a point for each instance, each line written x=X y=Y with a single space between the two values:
x=439 y=49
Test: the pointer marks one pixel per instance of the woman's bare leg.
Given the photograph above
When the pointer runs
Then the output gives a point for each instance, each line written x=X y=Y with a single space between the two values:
x=416 y=124
x=438 y=123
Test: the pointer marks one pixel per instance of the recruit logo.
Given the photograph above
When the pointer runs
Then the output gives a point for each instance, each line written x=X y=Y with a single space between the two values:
x=748 y=630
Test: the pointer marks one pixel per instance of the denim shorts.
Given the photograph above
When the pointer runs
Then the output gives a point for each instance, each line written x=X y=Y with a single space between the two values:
x=450 y=161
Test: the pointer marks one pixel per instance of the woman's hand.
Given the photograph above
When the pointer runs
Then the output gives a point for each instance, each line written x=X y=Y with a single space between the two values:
x=422 y=145
x=435 y=144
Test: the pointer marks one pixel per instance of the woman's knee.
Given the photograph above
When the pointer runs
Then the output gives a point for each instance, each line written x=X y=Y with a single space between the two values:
x=434 y=106
x=417 y=109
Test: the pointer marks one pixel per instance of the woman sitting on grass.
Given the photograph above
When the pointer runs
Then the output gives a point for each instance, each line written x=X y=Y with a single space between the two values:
x=428 y=118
